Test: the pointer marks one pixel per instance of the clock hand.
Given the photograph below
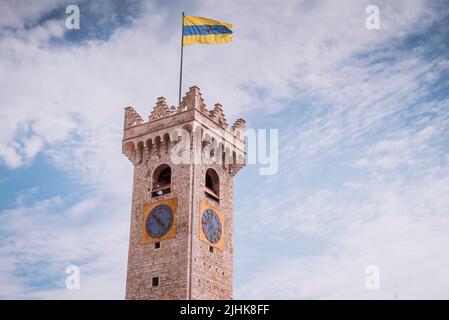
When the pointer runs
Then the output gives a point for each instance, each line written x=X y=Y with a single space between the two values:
x=213 y=230
x=159 y=222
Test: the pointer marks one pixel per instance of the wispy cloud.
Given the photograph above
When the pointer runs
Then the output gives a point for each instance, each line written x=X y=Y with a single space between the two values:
x=40 y=241
x=363 y=125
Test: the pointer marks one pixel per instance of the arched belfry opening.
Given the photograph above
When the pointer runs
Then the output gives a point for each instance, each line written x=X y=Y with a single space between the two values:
x=161 y=183
x=212 y=185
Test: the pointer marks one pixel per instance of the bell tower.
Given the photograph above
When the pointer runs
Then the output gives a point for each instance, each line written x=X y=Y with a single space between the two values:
x=184 y=160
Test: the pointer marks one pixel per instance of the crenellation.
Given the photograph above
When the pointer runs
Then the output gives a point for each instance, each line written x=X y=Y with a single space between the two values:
x=161 y=110
x=218 y=116
x=192 y=100
x=132 y=118
x=239 y=126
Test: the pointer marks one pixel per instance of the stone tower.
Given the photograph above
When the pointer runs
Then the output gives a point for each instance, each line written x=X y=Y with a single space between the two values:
x=184 y=162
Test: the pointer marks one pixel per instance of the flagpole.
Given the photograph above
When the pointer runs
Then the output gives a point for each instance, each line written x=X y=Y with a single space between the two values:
x=182 y=49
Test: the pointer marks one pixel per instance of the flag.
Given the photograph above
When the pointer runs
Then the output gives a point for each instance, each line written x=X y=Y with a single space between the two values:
x=198 y=30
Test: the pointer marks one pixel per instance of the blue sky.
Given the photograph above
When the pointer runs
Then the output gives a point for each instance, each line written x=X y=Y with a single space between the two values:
x=363 y=120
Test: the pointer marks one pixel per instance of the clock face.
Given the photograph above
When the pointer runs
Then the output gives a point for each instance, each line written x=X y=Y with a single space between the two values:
x=211 y=226
x=159 y=221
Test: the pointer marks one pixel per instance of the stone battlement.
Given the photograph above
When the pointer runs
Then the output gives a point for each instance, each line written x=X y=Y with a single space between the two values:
x=162 y=131
x=193 y=100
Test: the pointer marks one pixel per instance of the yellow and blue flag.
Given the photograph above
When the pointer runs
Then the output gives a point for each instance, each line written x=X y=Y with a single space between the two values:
x=198 y=30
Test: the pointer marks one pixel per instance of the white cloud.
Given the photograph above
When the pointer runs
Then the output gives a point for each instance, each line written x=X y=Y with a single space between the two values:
x=402 y=229
x=10 y=156
x=17 y=15
x=40 y=241
x=87 y=86
x=32 y=146
x=67 y=102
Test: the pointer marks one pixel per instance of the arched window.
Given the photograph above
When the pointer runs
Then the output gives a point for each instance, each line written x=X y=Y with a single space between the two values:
x=161 y=180
x=212 y=184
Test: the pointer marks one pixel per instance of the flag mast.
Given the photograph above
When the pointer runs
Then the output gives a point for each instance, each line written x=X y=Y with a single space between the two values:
x=182 y=49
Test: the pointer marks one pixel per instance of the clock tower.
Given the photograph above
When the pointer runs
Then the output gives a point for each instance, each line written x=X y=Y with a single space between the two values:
x=184 y=159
